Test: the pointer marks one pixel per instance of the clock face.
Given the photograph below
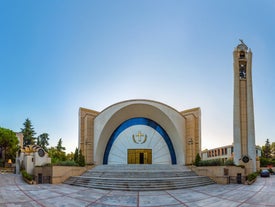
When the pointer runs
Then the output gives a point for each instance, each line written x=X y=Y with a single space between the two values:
x=41 y=152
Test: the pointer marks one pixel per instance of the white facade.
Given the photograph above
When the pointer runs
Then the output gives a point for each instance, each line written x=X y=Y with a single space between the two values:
x=151 y=139
x=31 y=156
x=224 y=153
x=108 y=120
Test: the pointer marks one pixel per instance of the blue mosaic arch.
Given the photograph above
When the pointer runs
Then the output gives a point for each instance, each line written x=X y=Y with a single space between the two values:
x=140 y=121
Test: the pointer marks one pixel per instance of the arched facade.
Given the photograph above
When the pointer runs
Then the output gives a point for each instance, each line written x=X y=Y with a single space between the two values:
x=139 y=132
x=139 y=135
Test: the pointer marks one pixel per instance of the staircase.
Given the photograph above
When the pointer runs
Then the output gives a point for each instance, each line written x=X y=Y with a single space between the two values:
x=139 y=177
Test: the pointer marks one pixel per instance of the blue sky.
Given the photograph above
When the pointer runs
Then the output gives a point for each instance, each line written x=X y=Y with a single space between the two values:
x=57 y=56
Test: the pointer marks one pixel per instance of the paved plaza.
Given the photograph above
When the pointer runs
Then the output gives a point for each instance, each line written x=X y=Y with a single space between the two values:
x=14 y=193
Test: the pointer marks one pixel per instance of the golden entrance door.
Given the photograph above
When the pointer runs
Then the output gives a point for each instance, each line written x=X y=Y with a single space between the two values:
x=139 y=156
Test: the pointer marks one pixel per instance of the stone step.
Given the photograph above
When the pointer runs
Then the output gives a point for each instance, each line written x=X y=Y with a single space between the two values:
x=142 y=186
x=140 y=168
x=140 y=174
x=139 y=177
x=155 y=170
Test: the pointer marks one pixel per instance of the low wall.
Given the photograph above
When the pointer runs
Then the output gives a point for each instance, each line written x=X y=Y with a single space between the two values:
x=57 y=174
x=221 y=174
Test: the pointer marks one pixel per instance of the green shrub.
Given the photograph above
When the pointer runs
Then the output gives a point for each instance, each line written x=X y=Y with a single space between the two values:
x=270 y=171
x=81 y=159
x=264 y=162
x=252 y=176
x=197 y=159
x=215 y=162
x=26 y=175
x=229 y=162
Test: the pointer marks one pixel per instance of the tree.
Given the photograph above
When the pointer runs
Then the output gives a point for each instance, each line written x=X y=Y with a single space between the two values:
x=76 y=157
x=59 y=146
x=273 y=150
x=28 y=133
x=81 y=159
x=43 y=141
x=70 y=156
x=56 y=153
x=197 y=159
x=8 y=143
x=266 y=149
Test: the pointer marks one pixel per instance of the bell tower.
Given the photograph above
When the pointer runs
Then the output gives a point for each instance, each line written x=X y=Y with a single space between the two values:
x=244 y=130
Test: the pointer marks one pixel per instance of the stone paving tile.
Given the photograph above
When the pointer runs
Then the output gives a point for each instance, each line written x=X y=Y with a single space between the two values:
x=185 y=190
x=213 y=202
x=15 y=193
x=87 y=195
x=237 y=195
x=157 y=200
x=42 y=194
x=263 y=198
x=62 y=188
x=126 y=193
x=118 y=200
x=190 y=196
x=213 y=190
x=252 y=205
x=9 y=187
x=64 y=202
x=8 y=195
x=101 y=205
x=255 y=187
x=158 y=193
x=99 y=191
x=21 y=204
x=26 y=187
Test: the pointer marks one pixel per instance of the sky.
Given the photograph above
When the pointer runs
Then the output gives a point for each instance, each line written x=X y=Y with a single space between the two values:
x=57 y=56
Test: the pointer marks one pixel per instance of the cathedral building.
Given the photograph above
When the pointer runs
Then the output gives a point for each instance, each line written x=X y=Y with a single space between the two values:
x=140 y=132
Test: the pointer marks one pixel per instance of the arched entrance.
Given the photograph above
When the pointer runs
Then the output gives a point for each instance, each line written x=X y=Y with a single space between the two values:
x=139 y=140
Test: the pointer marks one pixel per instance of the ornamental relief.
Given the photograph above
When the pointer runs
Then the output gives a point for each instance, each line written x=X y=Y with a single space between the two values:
x=139 y=138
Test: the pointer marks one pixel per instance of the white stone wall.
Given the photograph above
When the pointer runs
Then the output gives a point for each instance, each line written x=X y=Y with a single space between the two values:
x=28 y=164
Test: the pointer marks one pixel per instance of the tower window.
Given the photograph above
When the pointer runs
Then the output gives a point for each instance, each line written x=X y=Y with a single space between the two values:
x=242 y=71
x=242 y=55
